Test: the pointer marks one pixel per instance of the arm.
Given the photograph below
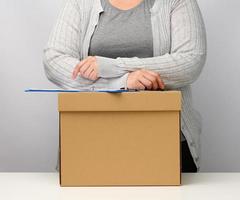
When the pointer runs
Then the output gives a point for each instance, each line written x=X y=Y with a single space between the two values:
x=61 y=53
x=183 y=64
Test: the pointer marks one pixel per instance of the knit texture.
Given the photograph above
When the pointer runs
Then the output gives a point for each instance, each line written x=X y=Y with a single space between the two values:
x=179 y=44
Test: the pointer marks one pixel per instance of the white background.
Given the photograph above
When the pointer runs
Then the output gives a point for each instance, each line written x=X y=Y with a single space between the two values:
x=29 y=122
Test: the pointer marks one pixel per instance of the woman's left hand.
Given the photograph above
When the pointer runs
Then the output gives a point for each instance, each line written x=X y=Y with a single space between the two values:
x=87 y=68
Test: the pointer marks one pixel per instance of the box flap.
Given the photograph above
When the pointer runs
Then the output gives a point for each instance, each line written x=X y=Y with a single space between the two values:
x=127 y=101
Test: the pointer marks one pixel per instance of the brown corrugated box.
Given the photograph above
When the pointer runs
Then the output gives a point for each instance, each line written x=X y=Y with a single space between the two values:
x=120 y=139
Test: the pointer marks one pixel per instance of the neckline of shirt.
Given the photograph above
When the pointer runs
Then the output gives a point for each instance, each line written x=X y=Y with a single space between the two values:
x=121 y=10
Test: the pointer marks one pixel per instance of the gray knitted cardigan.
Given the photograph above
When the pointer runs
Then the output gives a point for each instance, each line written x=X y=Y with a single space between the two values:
x=179 y=44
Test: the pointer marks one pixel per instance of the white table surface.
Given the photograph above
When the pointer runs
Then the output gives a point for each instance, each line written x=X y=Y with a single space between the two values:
x=44 y=186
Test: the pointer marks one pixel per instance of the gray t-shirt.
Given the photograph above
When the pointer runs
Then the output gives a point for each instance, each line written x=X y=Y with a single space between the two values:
x=124 y=33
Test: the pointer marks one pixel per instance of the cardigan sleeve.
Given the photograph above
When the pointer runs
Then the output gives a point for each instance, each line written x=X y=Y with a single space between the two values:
x=61 y=54
x=184 y=63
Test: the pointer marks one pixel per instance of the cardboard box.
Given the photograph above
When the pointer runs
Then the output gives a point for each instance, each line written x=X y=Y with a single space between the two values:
x=116 y=139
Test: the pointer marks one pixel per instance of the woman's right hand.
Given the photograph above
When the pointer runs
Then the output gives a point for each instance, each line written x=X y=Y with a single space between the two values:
x=144 y=79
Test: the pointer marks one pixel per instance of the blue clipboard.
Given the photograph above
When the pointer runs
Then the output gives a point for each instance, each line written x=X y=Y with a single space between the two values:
x=77 y=90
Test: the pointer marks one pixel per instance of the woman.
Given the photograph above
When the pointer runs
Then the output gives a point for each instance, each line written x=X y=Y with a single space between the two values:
x=137 y=44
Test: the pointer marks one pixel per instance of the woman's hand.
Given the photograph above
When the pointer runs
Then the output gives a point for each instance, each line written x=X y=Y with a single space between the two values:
x=87 y=68
x=144 y=79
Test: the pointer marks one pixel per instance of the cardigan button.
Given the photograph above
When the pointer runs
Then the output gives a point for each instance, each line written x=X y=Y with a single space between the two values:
x=192 y=143
x=183 y=128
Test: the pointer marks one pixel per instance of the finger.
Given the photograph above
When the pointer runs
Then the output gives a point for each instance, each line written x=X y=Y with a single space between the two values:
x=93 y=75
x=140 y=86
x=157 y=75
x=159 y=80
x=161 y=84
x=80 y=65
x=145 y=82
x=85 y=67
x=88 y=71
x=77 y=68
x=153 y=79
